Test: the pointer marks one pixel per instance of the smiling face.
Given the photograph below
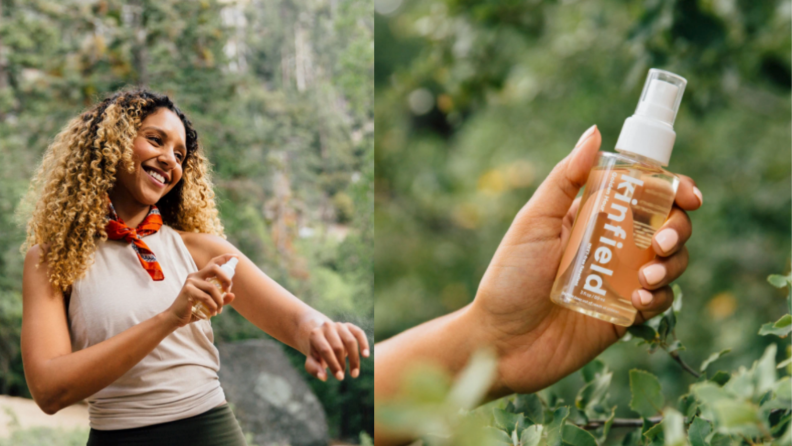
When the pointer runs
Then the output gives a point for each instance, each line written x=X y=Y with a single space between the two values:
x=158 y=152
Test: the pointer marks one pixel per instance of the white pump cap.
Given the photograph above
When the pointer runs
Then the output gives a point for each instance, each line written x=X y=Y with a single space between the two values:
x=230 y=267
x=650 y=132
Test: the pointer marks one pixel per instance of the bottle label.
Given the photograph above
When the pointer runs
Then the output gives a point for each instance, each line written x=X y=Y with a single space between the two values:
x=608 y=245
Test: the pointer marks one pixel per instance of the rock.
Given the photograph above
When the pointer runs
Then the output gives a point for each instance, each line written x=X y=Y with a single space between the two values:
x=270 y=398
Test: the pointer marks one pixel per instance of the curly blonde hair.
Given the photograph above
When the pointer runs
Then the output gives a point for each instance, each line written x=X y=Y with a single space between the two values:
x=68 y=195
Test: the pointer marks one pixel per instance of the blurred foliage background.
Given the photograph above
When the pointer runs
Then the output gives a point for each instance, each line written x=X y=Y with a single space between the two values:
x=477 y=101
x=281 y=94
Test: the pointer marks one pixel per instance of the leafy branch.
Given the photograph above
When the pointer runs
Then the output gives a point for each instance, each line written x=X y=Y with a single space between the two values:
x=747 y=407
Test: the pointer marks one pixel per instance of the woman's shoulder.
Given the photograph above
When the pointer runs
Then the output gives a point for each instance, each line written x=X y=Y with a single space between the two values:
x=204 y=247
x=36 y=254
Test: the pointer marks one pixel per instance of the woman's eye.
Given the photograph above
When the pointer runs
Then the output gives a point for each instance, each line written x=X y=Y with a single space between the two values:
x=155 y=139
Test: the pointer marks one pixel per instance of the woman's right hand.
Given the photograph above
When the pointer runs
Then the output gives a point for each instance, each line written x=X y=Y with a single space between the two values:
x=197 y=288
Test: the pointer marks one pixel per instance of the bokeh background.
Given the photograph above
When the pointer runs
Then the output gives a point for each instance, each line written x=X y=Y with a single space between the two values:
x=477 y=101
x=281 y=94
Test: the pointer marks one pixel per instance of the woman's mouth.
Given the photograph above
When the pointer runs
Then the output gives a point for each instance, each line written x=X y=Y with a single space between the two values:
x=155 y=176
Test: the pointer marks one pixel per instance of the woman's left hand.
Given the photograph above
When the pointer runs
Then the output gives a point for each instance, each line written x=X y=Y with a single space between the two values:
x=513 y=307
x=330 y=344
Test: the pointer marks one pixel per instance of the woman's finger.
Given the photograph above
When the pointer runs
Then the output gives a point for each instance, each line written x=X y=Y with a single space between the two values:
x=569 y=219
x=337 y=345
x=662 y=271
x=673 y=234
x=688 y=196
x=197 y=294
x=351 y=344
x=213 y=270
x=325 y=351
x=651 y=303
x=315 y=368
x=212 y=291
x=361 y=338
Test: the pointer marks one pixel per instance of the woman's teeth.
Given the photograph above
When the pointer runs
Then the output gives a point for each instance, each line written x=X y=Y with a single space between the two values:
x=156 y=176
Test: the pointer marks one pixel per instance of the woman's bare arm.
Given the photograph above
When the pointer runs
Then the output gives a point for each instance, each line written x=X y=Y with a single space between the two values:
x=58 y=377
x=276 y=311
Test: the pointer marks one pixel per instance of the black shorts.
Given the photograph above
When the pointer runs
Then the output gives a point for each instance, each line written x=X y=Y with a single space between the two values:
x=215 y=427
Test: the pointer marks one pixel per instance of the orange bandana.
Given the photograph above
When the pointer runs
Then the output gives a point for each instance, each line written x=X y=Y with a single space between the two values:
x=118 y=230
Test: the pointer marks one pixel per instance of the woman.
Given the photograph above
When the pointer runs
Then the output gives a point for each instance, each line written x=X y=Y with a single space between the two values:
x=121 y=244
x=537 y=342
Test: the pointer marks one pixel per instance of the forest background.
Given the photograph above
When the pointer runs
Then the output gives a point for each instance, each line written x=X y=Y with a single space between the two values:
x=477 y=101
x=281 y=94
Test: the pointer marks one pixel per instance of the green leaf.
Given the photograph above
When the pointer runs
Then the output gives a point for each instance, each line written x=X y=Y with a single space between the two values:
x=677 y=305
x=720 y=377
x=592 y=369
x=688 y=405
x=554 y=427
x=785 y=439
x=508 y=421
x=722 y=440
x=778 y=280
x=784 y=363
x=738 y=417
x=594 y=392
x=575 y=436
x=497 y=437
x=647 y=398
x=780 y=328
x=602 y=432
x=783 y=389
x=655 y=435
x=474 y=380
x=532 y=435
x=664 y=328
x=673 y=428
x=741 y=384
x=633 y=438
x=709 y=393
x=643 y=331
x=712 y=358
x=698 y=430
x=531 y=406
x=765 y=370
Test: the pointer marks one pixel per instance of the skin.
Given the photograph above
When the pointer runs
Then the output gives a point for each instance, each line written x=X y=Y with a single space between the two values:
x=58 y=377
x=537 y=342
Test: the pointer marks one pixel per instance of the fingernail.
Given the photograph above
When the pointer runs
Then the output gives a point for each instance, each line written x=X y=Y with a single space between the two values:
x=340 y=376
x=365 y=352
x=698 y=194
x=667 y=239
x=355 y=373
x=646 y=297
x=322 y=377
x=654 y=273
x=585 y=135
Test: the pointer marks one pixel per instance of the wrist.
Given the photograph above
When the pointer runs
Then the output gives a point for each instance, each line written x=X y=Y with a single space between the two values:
x=310 y=320
x=482 y=333
x=168 y=320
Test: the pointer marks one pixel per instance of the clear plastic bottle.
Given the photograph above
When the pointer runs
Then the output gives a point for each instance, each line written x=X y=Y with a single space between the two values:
x=627 y=198
x=199 y=310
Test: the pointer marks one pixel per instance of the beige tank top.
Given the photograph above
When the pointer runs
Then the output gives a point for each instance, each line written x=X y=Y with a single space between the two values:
x=178 y=379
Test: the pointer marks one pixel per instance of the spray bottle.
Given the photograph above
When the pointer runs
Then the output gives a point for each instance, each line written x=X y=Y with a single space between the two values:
x=199 y=310
x=628 y=197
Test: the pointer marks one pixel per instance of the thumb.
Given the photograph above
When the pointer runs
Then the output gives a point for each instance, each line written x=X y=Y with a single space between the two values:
x=542 y=217
x=557 y=192
x=315 y=368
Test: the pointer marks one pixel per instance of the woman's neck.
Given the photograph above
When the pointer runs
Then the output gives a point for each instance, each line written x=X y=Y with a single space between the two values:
x=127 y=207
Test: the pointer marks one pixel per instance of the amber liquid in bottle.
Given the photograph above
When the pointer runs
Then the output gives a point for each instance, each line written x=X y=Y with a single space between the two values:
x=626 y=200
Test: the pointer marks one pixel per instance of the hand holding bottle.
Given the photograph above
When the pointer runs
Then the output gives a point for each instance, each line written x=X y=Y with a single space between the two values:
x=200 y=287
x=512 y=305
